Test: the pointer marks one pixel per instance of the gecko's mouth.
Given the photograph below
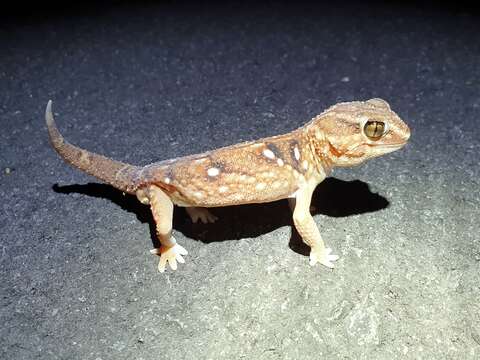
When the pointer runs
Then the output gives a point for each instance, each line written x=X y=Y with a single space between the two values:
x=381 y=149
x=396 y=145
x=391 y=147
x=399 y=145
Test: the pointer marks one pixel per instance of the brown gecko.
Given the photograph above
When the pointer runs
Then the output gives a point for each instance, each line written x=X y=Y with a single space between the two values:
x=278 y=167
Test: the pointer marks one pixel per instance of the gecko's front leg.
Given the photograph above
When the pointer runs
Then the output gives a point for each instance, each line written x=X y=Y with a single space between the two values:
x=162 y=210
x=307 y=228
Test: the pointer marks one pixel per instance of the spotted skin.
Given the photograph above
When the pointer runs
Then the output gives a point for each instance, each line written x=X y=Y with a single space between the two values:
x=284 y=166
x=247 y=173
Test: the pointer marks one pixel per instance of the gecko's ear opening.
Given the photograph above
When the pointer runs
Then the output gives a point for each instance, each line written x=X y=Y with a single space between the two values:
x=379 y=102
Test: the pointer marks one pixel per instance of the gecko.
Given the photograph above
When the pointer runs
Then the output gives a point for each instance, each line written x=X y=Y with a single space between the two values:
x=287 y=166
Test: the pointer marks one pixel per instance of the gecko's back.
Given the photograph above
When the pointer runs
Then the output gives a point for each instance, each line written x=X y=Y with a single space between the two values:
x=252 y=172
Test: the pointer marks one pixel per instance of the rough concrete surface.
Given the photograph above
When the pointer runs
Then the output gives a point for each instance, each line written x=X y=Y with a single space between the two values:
x=147 y=82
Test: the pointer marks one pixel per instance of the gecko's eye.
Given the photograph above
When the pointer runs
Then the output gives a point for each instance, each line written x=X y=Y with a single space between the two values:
x=374 y=129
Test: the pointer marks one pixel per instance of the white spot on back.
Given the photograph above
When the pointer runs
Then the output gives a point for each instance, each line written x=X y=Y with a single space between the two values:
x=305 y=164
x=198 y=194
x=260 y=186
x=280 y=162
x=269 y=154
x=213 y=171
x=223 y=189
x=84 y=158
x=167 y=180
x=296 y=152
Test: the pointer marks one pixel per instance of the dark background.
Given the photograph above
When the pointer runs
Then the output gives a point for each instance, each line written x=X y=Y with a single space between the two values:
x=147 y=81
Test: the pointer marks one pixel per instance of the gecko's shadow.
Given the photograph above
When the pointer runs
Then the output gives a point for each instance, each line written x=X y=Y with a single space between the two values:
x=333 y=197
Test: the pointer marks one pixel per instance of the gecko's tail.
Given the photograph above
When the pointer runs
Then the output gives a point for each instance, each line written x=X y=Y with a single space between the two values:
x=115 y=173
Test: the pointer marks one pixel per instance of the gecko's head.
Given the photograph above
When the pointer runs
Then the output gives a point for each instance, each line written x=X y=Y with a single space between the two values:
x=357 y=131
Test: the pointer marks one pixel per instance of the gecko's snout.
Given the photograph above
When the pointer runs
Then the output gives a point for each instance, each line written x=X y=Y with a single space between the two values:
x=407 y=133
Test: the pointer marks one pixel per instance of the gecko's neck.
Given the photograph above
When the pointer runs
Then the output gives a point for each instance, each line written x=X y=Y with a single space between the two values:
x=319 y=145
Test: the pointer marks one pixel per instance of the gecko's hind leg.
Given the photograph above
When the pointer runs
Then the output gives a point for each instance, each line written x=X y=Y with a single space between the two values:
x=201 y=213
x=162 y=209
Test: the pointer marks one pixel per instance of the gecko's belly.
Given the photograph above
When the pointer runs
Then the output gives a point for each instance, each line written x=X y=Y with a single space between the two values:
x=225 y=195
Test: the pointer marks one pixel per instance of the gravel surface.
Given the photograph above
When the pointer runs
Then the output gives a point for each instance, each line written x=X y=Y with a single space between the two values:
x=148 y=82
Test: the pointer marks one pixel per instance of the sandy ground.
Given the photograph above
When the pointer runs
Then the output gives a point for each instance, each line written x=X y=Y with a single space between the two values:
x=151 y=82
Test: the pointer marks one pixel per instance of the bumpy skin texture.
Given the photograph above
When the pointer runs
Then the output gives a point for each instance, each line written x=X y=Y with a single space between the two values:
x=285 y=166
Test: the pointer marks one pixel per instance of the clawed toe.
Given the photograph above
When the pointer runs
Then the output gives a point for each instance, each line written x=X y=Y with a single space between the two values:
x=324 y=257
x=201 y=214
x=209 y=218
x=170 y=255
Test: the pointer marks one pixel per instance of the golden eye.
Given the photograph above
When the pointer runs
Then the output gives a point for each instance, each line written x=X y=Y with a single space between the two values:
x=374 y=129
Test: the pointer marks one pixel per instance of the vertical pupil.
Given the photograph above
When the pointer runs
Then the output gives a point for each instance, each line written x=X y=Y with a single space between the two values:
x=374 y=129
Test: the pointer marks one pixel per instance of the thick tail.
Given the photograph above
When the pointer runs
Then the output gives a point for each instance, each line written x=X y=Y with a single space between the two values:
x=115 y=173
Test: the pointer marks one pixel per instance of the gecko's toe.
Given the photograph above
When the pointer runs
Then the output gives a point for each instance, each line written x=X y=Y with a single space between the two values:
x=170 y=255
x=173 y=263
x=180 y=259
x=209 y=218
x=325 y=257
x=202 y=214
x=329 y=258
x=181 y=250
x=162 y=263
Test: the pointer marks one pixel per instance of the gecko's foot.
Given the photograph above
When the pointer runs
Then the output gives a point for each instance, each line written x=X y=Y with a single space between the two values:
x=171 y=255
x=323 y=256
x=203 y=214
